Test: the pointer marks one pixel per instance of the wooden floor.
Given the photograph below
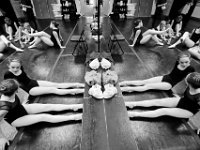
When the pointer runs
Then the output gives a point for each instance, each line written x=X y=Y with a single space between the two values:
x=105 y=124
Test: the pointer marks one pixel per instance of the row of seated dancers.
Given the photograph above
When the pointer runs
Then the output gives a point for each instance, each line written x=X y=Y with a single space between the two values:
x=164 y=33
x=19 y=115
x=25 y=34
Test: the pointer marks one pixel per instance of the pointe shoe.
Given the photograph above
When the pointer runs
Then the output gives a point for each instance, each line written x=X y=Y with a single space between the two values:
x=96 y=92
x=94 y=64
x=105 y=64
x=110 y=77
x=110 y=91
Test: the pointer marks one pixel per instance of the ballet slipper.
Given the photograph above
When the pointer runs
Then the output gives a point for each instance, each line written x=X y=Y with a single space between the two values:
x=92 y=78
x=105 y=64
x=95 y=91
x=94 y=64
x=110 y=77
x=110 y=91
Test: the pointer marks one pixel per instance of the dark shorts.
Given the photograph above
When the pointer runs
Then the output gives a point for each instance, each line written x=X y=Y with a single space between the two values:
x=168 y=79
x=190 y=106
x=30 y=85
x=21 y=112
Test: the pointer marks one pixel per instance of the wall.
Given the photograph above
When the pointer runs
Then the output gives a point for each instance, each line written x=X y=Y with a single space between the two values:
x=196 y=12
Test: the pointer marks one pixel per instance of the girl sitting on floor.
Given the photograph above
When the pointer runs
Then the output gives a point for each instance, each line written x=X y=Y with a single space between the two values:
x=162 y=27
x=189 y=39
x=39 y=87
x=54 y=39
x=177 y=25
x=181 y=69
x=184 y=107
x=141 y=35
x=19 y=115
x=29 y=30
x=10 y=28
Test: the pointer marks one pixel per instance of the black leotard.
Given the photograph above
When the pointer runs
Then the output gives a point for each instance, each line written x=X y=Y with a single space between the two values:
x=195 y=36
x=143 y=29
x=177 y=75
x=53 y=39
x=25 y=82
x=15 y=109
x=189 y=102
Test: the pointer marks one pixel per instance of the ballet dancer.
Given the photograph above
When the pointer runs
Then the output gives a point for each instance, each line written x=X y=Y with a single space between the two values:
x=142 y=35
x=39 y=87
x=19 y=115
x=54 y=39
x=181 y=69
x=179 y=107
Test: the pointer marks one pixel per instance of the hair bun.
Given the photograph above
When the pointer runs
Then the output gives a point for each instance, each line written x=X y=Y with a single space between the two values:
x=2 y=88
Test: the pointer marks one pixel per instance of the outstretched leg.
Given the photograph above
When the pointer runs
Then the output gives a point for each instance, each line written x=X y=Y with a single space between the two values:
x=35 y=91
x=36 y=118
x=39 y=108
x=148 y=86
x=165 y=102
x=142 y=82
x=60 y=85
x=9 y=44
x=173 y=112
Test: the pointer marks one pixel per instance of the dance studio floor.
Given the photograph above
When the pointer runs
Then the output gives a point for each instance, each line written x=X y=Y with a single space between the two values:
x=105 y=124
